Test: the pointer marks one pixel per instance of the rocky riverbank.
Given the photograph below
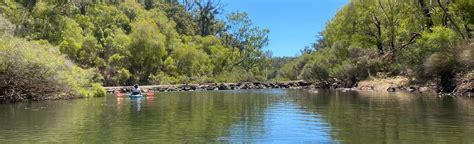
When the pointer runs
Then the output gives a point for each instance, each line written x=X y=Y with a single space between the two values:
x=464 y=87
x=397 y=84
x=223 y=86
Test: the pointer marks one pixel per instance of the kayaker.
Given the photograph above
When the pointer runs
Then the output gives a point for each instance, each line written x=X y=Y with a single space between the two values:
x=136 y=90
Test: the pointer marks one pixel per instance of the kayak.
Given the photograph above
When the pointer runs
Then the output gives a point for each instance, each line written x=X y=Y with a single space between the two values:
x=135 y=96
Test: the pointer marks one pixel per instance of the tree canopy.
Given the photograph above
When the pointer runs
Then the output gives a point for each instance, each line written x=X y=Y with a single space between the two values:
x=421 y=39
x=146 y=41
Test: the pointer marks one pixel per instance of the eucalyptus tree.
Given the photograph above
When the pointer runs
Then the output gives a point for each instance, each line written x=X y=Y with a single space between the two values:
x=205 y=15
x=248 y=38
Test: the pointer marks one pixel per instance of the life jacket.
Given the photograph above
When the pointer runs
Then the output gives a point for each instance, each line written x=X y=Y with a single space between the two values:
x=135 y=90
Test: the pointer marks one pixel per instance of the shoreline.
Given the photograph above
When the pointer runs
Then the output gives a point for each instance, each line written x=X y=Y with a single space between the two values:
x=221 y=86
x=360 y=86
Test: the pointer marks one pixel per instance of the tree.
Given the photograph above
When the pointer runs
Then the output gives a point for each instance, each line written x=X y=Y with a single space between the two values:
x=249 y=39
x=147 y=49
x=206 y=12
x=143 y=42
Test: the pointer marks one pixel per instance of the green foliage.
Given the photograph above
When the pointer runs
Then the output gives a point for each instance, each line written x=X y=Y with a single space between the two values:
x=37 y=71
x=249 y=40
x=147 y=48
x=6 y=27
x=292 y=69
x=150 y=42
x=163 y=78
x=414 y=38
x=441 y=41
x=438 y=64
x=313 y=72
x=465 y=55
x=238 y=75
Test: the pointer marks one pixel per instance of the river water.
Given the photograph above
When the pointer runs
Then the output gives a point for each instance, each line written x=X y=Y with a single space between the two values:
x=250 y=116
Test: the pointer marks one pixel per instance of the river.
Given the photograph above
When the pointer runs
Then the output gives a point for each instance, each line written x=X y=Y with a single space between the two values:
x=250 y=116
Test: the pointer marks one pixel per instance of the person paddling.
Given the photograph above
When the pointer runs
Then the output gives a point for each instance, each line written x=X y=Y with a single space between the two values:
x=136 y=90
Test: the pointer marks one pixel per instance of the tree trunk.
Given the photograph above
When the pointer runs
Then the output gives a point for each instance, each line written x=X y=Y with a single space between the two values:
x=379 y=36
x=456 y=27
x=426 y=12
x=468 y=30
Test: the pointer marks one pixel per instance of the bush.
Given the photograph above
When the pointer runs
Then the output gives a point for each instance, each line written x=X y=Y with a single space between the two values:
x=438 y=64
x=238 y=75
x=292 y=69
x=313 y=72
x=441 y=40
x=35 y=71
x=162 y=78
x=6 y=28
x=466 y=55
x=98 y=90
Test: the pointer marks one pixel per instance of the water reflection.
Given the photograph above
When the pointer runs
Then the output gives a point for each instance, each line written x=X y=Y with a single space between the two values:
x=267 y=116
x=393 y=118
x=120 y=103
x=283 y=121
x=136 y=103
x=149 y=100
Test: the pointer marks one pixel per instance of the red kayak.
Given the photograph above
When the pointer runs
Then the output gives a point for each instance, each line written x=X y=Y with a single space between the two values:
x=150 y=92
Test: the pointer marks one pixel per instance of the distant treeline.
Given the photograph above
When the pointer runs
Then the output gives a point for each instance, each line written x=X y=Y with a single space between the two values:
x=426 y=40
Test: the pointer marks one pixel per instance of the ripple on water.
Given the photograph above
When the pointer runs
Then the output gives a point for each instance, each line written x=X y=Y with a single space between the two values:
x=282 y=122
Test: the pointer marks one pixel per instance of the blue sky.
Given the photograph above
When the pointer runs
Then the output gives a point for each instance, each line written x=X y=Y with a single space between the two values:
x=293 y=24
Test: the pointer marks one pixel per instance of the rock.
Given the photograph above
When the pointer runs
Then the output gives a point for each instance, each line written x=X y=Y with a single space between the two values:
x=234 y=86
x=313 y=90
x=366 y=88
x=186 y=88
x=391 y=89
x=424 y=89
x=303 y=83
x=211 y=87
x=224 y=87
x=284 y=85
x=411 y=89
x=344 y=89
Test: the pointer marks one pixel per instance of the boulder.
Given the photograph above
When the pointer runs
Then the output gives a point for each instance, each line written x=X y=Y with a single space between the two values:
x=391 y=89
x=224 y=87
x=411 y=89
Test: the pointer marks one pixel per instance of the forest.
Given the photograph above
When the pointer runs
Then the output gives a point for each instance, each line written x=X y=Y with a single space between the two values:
x=128 y=42
x=74 y=47
x=428 y=41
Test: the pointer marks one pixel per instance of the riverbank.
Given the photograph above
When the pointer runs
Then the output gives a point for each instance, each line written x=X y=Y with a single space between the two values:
x=223 y=86
x=394 y=84
x=464 y=86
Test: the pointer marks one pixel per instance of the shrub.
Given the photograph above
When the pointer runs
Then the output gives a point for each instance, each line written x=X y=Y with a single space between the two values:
x=6 y=28
x=441 y=40
x=238 y=75
x=293 y=68
x=466 y=55
x=35 y=71
x=313 y=72
x=162 y=78
x=439 y=63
